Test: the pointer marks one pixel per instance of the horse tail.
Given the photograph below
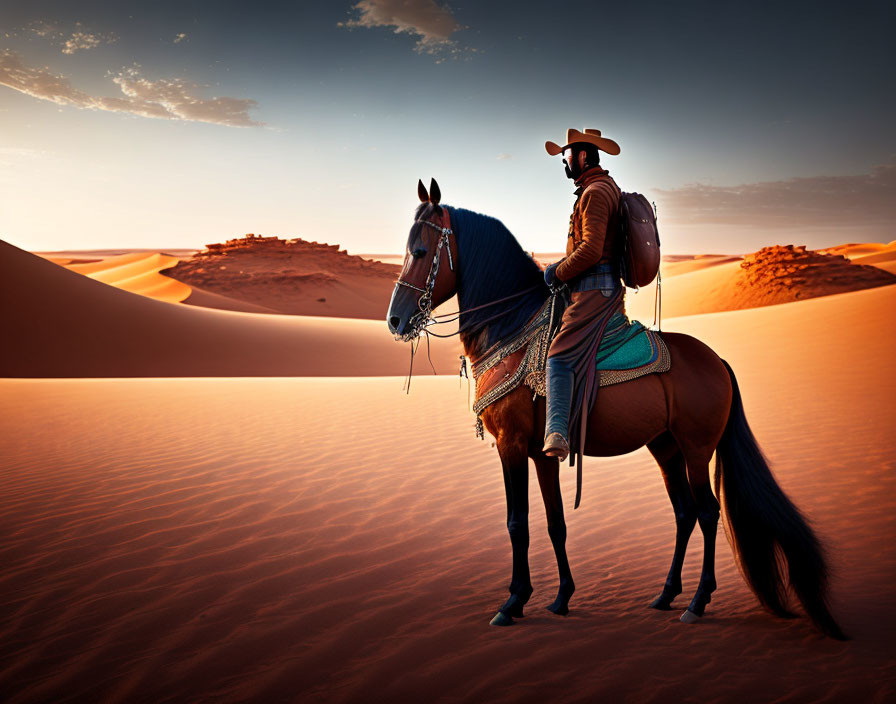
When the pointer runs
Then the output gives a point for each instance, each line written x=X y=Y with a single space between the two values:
x=768 y=531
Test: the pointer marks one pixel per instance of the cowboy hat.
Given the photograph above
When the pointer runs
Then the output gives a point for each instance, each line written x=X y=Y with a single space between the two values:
x=590 y=136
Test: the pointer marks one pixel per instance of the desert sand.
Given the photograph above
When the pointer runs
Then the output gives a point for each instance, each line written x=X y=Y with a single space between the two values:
x=59 y=323
x=333 y=539
x=137 y=272
x=770 y=276
x=257 y=274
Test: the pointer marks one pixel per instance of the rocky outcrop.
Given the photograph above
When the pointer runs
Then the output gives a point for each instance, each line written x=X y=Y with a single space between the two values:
x=793 y=272
x=291 y=276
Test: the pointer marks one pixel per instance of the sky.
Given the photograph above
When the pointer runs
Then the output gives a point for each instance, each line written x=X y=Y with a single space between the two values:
x=177 y=124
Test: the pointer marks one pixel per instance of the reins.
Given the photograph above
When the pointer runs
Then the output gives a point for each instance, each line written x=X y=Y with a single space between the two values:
x=433 y=319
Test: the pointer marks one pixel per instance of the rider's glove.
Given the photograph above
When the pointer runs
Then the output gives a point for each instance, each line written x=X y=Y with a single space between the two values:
x=550 y=275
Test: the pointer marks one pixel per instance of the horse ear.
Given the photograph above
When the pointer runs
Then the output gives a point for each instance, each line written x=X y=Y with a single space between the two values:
x=435 y=195
x=421 y=191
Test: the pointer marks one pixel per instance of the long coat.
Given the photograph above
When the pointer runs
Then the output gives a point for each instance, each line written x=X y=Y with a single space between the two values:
x=591 y=270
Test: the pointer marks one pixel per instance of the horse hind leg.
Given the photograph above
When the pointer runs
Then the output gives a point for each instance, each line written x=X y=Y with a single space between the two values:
x=671 y=461
x=708 y=519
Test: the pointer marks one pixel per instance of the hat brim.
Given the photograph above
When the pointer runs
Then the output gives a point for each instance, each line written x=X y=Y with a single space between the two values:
x=553 y=148
x=602 y=143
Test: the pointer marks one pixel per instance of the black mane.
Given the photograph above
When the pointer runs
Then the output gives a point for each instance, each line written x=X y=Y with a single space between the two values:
x=492 y=265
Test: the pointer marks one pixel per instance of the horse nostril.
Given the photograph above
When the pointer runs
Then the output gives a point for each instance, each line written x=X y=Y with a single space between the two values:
x=394 y=322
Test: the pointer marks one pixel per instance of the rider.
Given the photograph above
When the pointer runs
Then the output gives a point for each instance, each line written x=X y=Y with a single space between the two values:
x=590 y=270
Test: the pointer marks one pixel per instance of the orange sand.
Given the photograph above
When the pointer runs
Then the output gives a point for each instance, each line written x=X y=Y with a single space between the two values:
x=301 y=539
x=321 y=280
x=61 y=324
x=771 y=276
x=855 y=250
x=137 y=272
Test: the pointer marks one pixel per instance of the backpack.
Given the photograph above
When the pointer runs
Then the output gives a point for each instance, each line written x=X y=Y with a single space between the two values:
x=640 y=239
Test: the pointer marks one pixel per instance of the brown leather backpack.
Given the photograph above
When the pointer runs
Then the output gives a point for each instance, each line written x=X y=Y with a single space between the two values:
x=640 y=240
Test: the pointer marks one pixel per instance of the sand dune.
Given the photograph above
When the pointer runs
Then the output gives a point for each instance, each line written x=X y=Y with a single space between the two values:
x=885 y=260
x=137 y=272
x=394 y=259
x=62 y=324
x=297 y=539
x=209 y=299
x=65 y=261
x=856 y=250
x=771 y=276
x=878 y=254
x=98 y=254
x=322 y=280
x=675 y=266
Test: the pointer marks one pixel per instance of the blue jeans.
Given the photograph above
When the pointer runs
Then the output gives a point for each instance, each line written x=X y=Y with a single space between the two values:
x=602 y=277
x=559 y=397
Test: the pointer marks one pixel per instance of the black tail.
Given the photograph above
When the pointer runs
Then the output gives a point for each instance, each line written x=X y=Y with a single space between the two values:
x=767 y=529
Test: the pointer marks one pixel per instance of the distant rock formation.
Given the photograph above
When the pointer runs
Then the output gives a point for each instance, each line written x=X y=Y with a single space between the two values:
x=291 y=276
x=258 y=244
x=793 y=272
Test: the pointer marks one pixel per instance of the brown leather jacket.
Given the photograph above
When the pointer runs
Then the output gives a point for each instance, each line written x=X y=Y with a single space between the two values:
x=592 y=225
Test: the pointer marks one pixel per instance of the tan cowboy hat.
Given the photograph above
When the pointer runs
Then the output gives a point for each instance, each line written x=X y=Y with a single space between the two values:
x=590 y=136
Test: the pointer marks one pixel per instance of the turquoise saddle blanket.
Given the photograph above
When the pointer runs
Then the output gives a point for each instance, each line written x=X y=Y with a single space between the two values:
x=628 y=346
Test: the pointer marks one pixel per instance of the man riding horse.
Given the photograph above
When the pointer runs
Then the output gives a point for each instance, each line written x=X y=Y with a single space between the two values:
x=591 y=272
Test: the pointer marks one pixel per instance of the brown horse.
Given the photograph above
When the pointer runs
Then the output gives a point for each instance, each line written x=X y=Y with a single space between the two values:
x=683 y=416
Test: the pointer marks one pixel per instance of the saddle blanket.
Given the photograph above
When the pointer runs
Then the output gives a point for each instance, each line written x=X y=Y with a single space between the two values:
x=628 y=350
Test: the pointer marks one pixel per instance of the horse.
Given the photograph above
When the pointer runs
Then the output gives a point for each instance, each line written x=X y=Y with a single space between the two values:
x=683 y=416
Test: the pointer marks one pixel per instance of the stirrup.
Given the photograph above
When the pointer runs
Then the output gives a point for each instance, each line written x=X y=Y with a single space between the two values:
x=555 y=445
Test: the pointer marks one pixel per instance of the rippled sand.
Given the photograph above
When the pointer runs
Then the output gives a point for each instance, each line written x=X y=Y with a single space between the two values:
x=299 y=539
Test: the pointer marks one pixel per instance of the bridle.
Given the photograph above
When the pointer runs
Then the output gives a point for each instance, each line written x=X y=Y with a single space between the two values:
x=421 y=318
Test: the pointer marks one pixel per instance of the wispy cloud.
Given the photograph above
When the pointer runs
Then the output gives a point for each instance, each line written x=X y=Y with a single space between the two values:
x=172 y=99
x=860 y=200
x=80 y=40
x=504 y=156
x=70 y=40
x=430 y=23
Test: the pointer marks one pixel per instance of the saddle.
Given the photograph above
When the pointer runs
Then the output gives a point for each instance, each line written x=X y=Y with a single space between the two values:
x=628 y=350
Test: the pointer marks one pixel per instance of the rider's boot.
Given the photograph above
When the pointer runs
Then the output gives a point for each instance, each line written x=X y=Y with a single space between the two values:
x=559 y=393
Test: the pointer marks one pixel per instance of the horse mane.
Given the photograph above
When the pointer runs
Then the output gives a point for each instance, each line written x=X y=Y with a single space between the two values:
x=492 y=265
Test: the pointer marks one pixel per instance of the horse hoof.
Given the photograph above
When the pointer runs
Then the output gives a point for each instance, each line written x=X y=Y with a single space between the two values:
x=559 y=609
x=661 y=603
x=690 y=617
x=501 y=619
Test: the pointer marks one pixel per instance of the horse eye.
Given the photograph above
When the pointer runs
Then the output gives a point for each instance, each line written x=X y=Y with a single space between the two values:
x=418 y=253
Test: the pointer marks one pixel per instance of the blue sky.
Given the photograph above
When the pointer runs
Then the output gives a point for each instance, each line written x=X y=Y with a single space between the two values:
x=178 y=124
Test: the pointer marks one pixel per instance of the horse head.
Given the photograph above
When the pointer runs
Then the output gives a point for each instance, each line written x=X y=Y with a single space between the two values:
x=428 y=276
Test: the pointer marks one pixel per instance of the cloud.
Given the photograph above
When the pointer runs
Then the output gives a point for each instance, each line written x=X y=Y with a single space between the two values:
x=44 y=29
x=80 y=40
x=861 y=201
x=431 y=23
x=180 y=37
x=504 y=156
x=171 y=99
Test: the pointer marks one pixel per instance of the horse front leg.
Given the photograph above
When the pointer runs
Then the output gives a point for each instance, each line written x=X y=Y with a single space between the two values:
x=548 y=469
x=515 y=464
